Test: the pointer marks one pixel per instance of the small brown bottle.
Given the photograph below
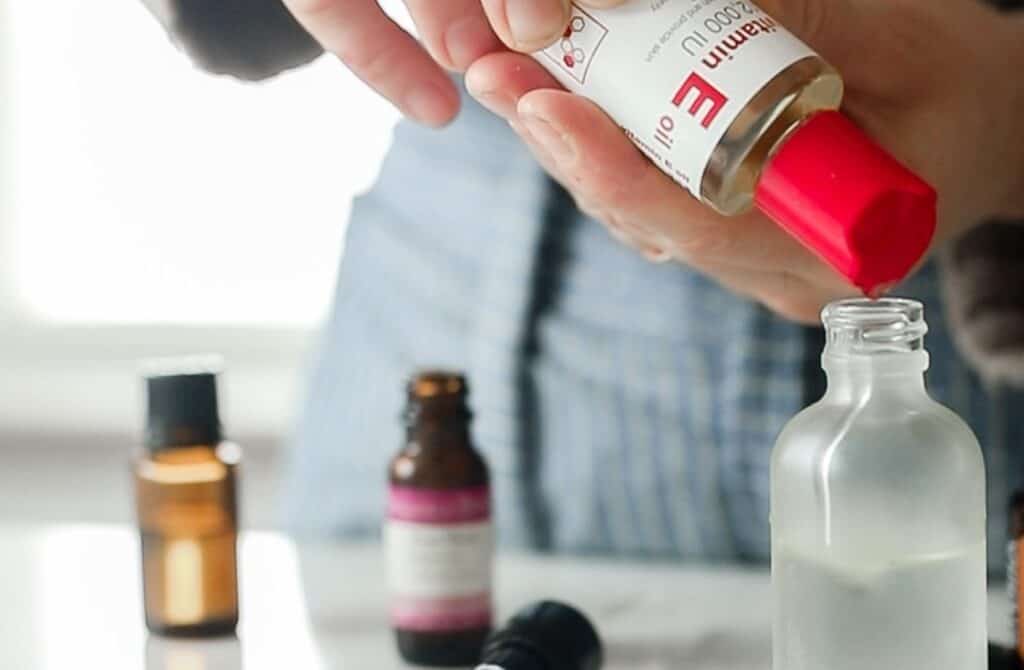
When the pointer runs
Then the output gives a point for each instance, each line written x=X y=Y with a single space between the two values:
x=438 y=533
x=187 y=512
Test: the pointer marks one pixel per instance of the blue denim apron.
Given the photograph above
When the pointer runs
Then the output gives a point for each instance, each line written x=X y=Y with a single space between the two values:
x=624 y=407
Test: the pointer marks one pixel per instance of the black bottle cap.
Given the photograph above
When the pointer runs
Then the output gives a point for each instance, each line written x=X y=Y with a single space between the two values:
x=182 y=409
x=1002 y=658
x=545 y=636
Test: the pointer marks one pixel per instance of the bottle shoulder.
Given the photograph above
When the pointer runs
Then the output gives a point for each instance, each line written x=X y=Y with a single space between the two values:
x=189 y=465
x=838 y=468
x=877 y=423
x=440 y=467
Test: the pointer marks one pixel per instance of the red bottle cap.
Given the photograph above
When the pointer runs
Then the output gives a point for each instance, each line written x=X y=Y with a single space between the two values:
x=849 y=201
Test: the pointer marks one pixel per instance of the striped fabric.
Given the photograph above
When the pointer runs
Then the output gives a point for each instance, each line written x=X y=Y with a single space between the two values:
x=625 y=408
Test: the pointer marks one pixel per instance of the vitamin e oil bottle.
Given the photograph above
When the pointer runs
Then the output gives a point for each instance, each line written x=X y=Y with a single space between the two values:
x=438 y=535
x=186 y=507
x=737 y=110
x=878 y=511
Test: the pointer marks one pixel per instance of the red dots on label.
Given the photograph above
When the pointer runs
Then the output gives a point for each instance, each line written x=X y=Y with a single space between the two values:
x=569 y=60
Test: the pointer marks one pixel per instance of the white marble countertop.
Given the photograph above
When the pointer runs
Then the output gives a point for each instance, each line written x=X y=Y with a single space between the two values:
x=70 y=598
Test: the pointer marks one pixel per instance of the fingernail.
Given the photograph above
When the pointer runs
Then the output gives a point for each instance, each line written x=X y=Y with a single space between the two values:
x=535 y=23
x=429 y=104
x=557 y=143
x=466 y=40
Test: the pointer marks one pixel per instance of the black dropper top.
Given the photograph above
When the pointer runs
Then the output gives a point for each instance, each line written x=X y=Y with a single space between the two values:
x=182 y=410
x=545 y=636
x=1002 y=658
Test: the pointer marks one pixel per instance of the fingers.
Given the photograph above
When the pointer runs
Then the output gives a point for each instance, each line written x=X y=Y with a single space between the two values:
x=499 y=80
x=615 y=184
x=381 y=54
x=650 y=246
x=532 y=25
x=604 y=168
x=455 y=32
x=612 y=182
x=528 y=25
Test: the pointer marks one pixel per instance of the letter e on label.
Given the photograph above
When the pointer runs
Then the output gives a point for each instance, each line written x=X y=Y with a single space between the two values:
x=706 y=93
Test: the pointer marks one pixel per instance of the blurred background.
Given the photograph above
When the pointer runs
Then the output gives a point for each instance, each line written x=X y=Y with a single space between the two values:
x=148 y=209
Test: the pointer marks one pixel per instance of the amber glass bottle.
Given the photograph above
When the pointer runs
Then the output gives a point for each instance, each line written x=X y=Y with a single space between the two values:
x=438 y=535
x=185 y=495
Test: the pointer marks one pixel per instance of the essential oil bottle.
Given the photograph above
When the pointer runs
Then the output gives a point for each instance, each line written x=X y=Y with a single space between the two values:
x=438 y=534
x=878 y=510
x=740 y=112
x=187 y=510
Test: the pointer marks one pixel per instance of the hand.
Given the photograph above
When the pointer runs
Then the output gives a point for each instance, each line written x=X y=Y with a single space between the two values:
x=454 y=33
x=928 y=80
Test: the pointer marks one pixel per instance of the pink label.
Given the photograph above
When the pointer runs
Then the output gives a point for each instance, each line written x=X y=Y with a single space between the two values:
x=470 y=505
x=433 y=615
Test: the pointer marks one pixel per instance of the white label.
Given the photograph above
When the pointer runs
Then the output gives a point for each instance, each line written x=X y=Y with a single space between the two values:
x=439 y=560
x=674 y=74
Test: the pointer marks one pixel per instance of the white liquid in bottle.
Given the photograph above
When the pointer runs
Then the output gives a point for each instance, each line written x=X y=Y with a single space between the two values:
x=921 y=614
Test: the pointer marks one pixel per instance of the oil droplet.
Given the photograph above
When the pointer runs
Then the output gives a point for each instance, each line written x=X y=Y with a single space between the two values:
x=878 y=292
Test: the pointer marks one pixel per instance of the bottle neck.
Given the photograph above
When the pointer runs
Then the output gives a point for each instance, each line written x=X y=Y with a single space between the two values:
x=886 y=375
x=429 y=434
x=874 y=347
x=437 y=412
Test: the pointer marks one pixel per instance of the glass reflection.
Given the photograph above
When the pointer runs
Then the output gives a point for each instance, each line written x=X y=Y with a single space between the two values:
x=224 y=653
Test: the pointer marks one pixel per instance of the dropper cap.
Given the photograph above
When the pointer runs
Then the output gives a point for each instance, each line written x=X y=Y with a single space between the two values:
x=181 y=404
x=848 y=200
x=545 y=636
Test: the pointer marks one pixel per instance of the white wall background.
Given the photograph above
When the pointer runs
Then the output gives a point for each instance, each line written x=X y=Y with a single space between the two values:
x=148 y=209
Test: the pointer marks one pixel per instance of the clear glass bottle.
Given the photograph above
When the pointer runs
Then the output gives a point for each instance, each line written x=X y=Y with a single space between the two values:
x=878 y=510
x=187 y=510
